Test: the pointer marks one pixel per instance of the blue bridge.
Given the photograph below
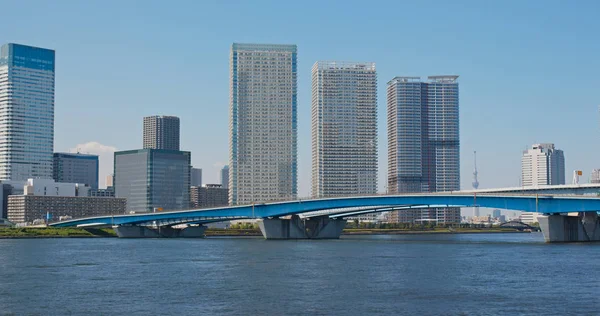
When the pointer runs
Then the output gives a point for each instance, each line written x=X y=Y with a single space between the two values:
x=325 y=218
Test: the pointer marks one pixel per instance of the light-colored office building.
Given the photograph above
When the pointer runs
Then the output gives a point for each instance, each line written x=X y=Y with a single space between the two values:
x=368 y=218
x=595 y=178
x=542 y=164
x=196 y=177
x=161 y=132
x=344 y=129
x=529 y=217
x=423 y=142
x=49 y=187
x=76 y=168
x=27 y=109
x=109 y=180
x=225 y=177
x=263 y=123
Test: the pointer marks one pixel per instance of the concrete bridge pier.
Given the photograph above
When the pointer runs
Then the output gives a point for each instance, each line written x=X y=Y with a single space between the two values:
x=134 y=231
x=321 y=227
x=563 y=228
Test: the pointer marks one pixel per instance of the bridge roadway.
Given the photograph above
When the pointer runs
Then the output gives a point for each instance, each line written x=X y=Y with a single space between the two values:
x=562 y=189
x=328 y=216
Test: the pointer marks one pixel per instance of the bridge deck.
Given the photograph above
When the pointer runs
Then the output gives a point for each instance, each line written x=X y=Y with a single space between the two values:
x=547 y=204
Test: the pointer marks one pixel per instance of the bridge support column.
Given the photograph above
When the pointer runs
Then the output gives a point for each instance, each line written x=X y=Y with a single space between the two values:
x=295 y=228
x=159 y=232
x=562 y=228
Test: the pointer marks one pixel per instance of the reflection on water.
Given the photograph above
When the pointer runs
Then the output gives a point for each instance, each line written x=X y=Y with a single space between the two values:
x=467 y=274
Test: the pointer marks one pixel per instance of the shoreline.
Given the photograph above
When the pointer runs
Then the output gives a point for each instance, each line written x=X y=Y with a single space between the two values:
x=33 y=233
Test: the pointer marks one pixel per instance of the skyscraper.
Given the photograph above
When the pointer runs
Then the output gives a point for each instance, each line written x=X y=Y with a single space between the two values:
x=196 y=177
x=344 y=129
x=27 y=109
x=263 y=130
x=76 y=168
x=161 y=132
x=153 y=178
x=542 y=165
x=225 y=177
x=423 y=142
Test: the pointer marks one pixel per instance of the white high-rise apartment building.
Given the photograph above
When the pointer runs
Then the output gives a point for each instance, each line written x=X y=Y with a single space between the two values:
x=542 y=165
x=344 y=129
x=263 y=128
x=26 y=112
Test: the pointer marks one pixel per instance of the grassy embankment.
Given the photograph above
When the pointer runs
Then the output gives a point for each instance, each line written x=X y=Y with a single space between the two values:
x=27 y=232
x=433 y=230
x=52 y=232
x=371 y=231
x=232 y=232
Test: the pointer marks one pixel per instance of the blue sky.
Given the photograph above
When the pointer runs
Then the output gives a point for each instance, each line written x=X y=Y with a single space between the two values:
x=528 y=70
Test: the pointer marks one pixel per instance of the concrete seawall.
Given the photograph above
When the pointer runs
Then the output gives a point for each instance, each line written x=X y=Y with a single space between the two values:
x=159 y=232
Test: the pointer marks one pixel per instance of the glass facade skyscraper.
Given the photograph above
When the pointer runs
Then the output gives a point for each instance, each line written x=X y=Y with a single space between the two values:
x=263 y=128
x=423 y=142
x=76 y=168
x=153 y=178
x=26 y=112
x=161 y=132
x=344 y=129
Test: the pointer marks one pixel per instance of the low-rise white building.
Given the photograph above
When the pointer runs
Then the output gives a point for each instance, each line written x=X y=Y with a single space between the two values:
x=49 y=187
x=529 y=217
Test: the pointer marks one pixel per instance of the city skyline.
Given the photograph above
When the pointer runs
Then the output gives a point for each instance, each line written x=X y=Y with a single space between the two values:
x=489 y=119
x=305 y=157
